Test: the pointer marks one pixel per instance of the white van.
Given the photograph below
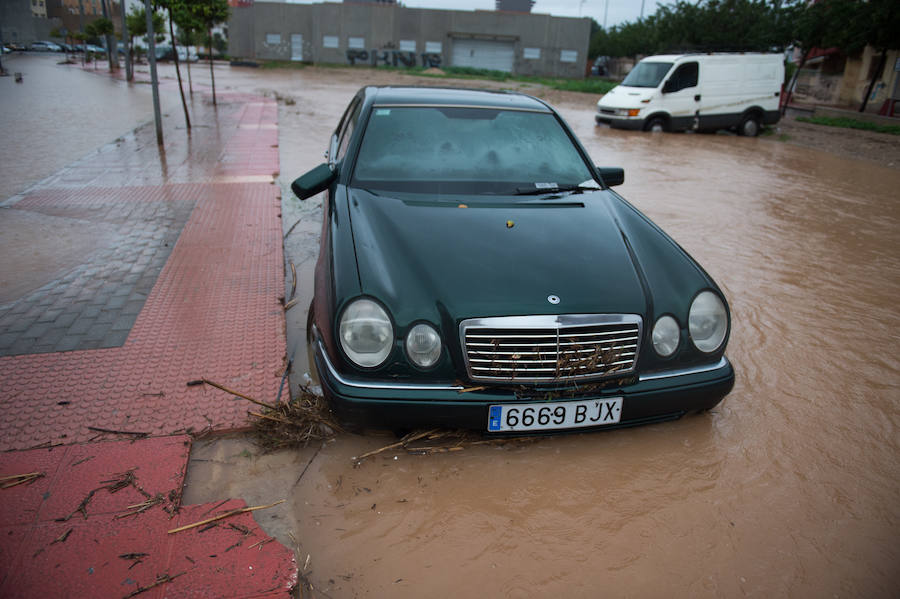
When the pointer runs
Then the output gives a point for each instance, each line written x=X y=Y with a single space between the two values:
x=703 y=92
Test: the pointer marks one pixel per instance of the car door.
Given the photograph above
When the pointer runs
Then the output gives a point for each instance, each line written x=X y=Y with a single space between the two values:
x=680 y=95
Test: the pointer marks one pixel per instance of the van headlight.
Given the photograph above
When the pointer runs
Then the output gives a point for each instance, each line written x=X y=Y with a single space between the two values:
x=366 y=333
x=708 y=322
x=423 y=345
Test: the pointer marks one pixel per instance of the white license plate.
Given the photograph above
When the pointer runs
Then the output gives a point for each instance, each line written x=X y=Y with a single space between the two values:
x=554 y=415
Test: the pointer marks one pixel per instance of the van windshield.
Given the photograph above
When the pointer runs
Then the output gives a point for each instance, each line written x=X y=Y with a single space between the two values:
x=647 y=74
x=465 y=150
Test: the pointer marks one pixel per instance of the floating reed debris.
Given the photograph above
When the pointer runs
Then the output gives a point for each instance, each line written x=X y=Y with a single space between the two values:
x=226 y=515
x=443 y=441
x=20 y=479
x=296 y=423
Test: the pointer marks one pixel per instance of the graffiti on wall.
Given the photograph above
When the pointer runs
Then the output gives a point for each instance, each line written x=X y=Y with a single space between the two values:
x=394 y=58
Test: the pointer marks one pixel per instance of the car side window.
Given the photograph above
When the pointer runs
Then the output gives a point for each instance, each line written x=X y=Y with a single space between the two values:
x=347 y=131
x=685 y=76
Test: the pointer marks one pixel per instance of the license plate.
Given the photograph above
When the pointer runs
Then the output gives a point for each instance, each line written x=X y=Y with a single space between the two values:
x=554 y=415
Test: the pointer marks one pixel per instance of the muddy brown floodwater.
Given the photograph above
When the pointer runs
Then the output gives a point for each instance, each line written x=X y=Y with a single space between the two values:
x=790 y=487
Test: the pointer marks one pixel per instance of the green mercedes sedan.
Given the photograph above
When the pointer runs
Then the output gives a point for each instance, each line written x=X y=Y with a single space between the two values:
x=476 y=270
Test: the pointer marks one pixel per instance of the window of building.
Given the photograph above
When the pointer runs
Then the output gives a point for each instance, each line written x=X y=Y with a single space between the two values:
x=433 y=47
x=356 y=43
x=330 y=41
x=273 y=39
x=568 y=55
x=407 y=45
x=532 y=53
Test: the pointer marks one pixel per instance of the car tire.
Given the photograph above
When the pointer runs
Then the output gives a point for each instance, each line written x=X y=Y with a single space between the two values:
x=749 y=126
x=656 y=125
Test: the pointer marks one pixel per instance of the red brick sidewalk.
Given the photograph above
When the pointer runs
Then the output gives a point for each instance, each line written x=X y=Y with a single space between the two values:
x=214 y=312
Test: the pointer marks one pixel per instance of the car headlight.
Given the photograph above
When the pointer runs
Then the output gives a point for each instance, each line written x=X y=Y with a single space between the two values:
x=366 y=333
x=708 y=322
x=423 y=345
x=665 y=336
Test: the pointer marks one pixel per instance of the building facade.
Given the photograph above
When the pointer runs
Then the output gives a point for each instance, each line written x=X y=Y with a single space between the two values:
x=377 y=34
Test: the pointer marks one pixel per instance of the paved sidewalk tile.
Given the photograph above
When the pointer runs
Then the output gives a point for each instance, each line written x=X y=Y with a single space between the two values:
x=101 y=528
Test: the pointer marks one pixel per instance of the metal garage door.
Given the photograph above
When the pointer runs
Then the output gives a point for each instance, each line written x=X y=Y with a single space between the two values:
x=483 y=54
x=296 y=46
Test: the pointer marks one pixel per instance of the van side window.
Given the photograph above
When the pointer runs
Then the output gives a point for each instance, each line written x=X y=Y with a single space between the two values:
x=685 y=76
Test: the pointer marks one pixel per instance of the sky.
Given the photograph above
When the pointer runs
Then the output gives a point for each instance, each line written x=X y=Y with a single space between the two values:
x=614 y=12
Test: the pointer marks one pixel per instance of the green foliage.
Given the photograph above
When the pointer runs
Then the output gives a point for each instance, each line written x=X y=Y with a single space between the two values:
x=704 y=26
x=136 y=22
x=848 y=123
x=102 y=26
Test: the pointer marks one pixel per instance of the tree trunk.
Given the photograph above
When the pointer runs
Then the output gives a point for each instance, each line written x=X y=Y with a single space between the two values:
x=129 y=74
x=187 y=118
x=881 y=62
x=190 y=83
x=212 y=75
x=790 y=88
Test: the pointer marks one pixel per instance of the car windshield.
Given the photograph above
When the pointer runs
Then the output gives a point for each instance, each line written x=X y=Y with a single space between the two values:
x=466 y=150
x=647 y=74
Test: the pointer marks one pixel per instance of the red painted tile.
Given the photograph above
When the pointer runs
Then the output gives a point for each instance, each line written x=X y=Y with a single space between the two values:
x=21 y=504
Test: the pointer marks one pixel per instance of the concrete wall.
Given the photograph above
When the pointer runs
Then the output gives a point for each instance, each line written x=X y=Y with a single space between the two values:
x=19 y=25
x=263 y=31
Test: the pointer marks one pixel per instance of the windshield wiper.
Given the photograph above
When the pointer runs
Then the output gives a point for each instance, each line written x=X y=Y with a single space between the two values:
x=536 y=191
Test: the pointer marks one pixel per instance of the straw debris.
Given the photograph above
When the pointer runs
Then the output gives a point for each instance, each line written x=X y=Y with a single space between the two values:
x=296 y=423
x=442 y=441
x=20 y=479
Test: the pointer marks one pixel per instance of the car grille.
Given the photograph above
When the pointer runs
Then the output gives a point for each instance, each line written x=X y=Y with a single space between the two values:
x=607 y=111
x=550 y=348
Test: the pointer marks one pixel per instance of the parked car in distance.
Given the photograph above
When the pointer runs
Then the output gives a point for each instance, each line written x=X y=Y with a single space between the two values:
x=476 y=270
x=702 y=92
x=15 y=47
x=90 y=48
x=165 y=53
x=44 y=46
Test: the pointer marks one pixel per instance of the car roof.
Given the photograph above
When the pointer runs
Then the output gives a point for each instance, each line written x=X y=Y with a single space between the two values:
x=446 y=96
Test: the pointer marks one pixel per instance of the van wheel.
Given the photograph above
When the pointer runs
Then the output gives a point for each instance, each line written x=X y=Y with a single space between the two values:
x=655 y=125
x=749 y=126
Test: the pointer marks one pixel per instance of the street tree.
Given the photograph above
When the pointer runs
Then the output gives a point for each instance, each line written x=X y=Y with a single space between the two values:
x=172 y=7
x=879 y=21
x=204 y=15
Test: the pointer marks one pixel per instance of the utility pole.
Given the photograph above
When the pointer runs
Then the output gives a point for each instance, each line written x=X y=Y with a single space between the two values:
x=154 y=82
x=642 y=10
x=605 y=14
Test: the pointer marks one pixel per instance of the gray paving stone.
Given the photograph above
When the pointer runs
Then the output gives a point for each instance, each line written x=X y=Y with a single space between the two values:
x=50 y=315
x=115 y=338
x=36 y=330
x=81 y=326
x=69 y=343
x=96 y=304
x=7 y=339
x=97 y=332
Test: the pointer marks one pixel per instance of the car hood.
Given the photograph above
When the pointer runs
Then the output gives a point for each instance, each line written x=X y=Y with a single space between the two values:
x=445 y=261
x=625 y=97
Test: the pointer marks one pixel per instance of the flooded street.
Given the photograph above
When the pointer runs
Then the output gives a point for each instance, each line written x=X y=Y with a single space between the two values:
x=790 y=487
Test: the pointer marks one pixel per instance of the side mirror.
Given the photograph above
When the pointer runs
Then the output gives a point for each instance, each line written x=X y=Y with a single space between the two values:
x=612 y=175
x=313 y=182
